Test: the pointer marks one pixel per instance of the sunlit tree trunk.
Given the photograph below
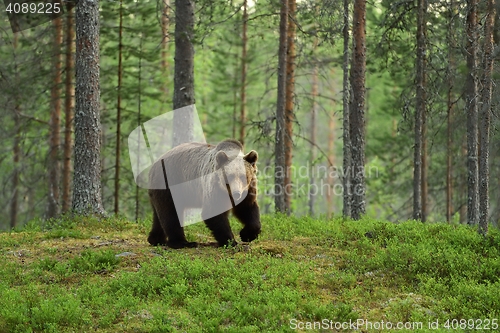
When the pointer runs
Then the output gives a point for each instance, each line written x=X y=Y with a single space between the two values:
x=139 y=114
x=183 y=70
x=331 y=161
x=290 y=91
x=314 y=113
x=280 y=166
x=425 y=168
x=119 y=110
x=16 y=149
x=485 y=116
x=450 y=109
x=55 y=123
x=165 y=31
x=68 y=112
x=449 y=155
x=420 y=109
x=243 y=95
x=347 y=159
x=471 y=94
x=87 y=196
x=357 y=109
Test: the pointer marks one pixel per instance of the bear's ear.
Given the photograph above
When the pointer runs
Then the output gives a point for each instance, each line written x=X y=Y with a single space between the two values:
x=251 y=157
x=221 y=159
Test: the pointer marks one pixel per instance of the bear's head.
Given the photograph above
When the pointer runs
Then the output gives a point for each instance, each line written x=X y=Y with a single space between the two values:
x=239 y=170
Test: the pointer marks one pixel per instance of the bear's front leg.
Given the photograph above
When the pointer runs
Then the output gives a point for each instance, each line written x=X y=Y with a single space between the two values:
x=219 y=225
x=248 y=213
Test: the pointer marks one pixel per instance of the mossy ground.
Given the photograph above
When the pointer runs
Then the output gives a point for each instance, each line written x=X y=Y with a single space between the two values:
x=65 y=276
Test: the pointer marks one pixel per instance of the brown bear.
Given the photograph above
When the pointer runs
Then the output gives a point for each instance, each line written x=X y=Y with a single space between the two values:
x=216 y=179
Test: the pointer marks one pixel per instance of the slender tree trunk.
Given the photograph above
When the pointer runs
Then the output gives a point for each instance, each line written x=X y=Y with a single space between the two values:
x=290 y=90
x=14 y=203
x=463 y=188
x=139 y=112
x=235 y=99
x=331 y=157
x=314 y=112
x=68 y=111
x=119 y=110
x=280 y=165
x=450 y=103
x=87 y=196
x=471 y=96
x=165 y=22
x=243 y=96
x=55 y=123
x=484 y=170
x=357 y=109
x=347 y=159
x=16 y=149
x=449 y=155
x=425 y=167
x=183 y=70
x=419 y=109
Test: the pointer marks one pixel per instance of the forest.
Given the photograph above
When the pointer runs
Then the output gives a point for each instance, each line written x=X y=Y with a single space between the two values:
x=371 y=127
x=384 y=109
x=413 y=105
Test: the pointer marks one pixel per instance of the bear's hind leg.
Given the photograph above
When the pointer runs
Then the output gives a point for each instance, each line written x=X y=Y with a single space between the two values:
x=169 y=221
x=157 y=235
x=176 y=238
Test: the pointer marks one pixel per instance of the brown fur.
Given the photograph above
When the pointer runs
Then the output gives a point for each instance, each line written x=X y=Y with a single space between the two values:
x=191 y=161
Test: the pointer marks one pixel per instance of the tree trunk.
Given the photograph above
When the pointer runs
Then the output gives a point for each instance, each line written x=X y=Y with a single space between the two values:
x=450 y=104
x=290 y=90
x=165 y=22
x=449 y=154
x=357 y=109
x=183 y=70
x=419 y=109
x=463 y=188
x=235 y=99
x=14 y=203
x=471 y=94
x=279 y=174
x=484 y=170
x=87 y=197
x=331 y=157
x=314 y=112
x=347 y=159
x=55 y=123
x=139 y=113
x=119 y=110
x=243 y=73
x=425 y=167
x=68 y=112
x=16 y=149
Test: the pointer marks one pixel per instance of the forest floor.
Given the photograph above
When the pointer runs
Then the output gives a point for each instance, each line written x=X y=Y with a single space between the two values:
x=302 y=274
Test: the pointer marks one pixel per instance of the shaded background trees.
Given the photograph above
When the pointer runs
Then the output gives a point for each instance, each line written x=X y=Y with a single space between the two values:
x=236 y=87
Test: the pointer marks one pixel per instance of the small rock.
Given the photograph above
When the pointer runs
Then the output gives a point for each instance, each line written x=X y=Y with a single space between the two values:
x=125 y=254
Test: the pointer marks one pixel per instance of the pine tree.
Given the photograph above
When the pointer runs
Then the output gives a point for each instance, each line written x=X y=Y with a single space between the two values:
x=87 y=196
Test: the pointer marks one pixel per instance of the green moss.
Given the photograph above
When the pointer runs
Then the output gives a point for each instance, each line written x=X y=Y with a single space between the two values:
x=65 y=276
